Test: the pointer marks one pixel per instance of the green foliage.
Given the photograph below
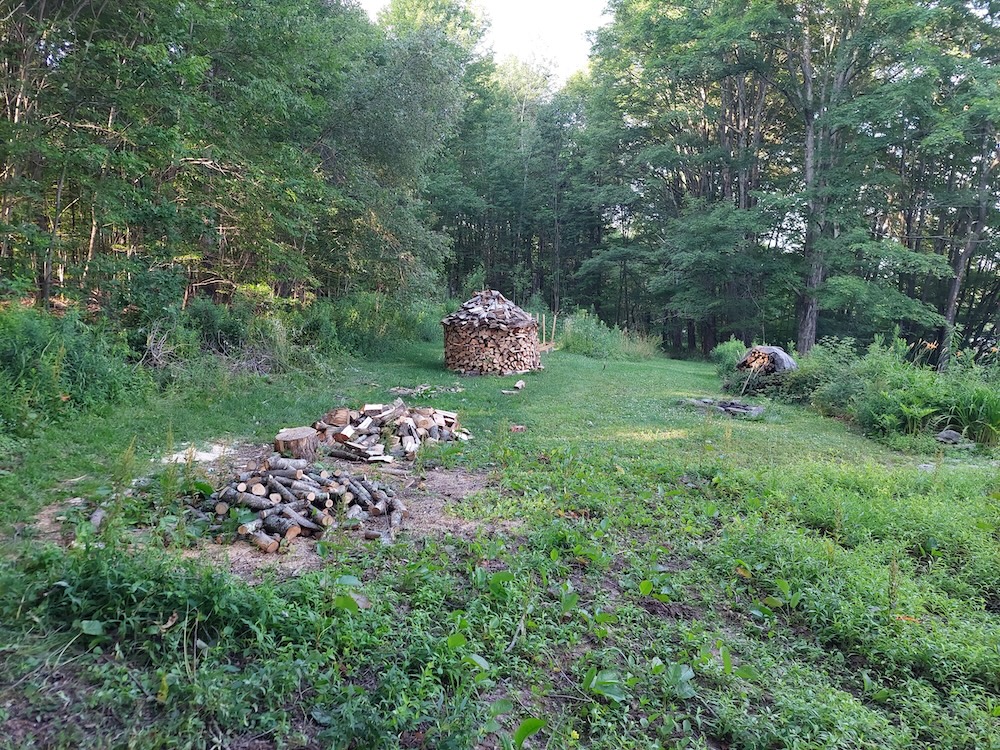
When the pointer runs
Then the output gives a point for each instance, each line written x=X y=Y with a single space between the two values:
x=887 y=393
x=50 y=367
x=220 y=328
x=369 y=323
x=725 y=358
x=584 y=333
x=973 y=406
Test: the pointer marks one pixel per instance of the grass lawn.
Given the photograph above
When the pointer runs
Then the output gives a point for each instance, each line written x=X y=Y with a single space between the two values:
x=674 y=580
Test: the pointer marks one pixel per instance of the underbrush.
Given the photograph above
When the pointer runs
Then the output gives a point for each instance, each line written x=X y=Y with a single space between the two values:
x=584 y=333
x=202 y=655
x=883 y=390
x=53 y=366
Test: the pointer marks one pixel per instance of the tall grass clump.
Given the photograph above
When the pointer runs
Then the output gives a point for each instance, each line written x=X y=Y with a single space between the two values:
x=584 y=333
x=370 y=323
x=973 y=404
x=51 y=366
x=725 y=357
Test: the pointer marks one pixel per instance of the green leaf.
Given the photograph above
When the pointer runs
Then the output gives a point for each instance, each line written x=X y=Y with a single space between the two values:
x=569 y=602
x=656 y=665
x=456 y=640
x=783 y=587
x=613 y=691
x=528 y=727
x=727 y=660
x=202 y=487
x=746 y=672
x=501 y=707
x=92 y=627
x=346 y=603
x=645 y=588
x=321 y=716
x=606 y=683
x=477 y=661
x=348 y=581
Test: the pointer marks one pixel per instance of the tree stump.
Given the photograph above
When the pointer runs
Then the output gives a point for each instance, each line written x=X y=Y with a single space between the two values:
x=297 y=442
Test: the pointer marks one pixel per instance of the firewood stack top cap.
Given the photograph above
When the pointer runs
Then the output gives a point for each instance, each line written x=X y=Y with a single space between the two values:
x=490 y=308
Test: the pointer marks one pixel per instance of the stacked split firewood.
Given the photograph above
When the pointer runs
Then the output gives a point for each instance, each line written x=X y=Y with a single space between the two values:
x=489 y=334
x=291 y=497
x=767 y=360
x=383 y=432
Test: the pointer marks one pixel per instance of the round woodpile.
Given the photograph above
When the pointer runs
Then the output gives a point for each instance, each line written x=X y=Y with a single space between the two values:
x=767 y=360
x=490 y=335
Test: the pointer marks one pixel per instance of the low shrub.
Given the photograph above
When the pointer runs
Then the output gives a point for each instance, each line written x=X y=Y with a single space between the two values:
x=584 y=333
x=51 y=366
x=883 y=391
x=221 y=328
x=725 y=358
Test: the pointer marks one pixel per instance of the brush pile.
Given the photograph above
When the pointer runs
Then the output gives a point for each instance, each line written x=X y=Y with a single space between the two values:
x=375 y=433
x=282 y=499
x=732 y=408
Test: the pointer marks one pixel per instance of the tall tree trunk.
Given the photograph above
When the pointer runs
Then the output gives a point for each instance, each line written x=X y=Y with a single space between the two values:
x=973 y=238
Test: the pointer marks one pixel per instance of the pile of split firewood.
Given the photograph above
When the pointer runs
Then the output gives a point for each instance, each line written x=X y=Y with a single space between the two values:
x=489 y=334
x=767 y=360
x=291 y=497
x=375 y=433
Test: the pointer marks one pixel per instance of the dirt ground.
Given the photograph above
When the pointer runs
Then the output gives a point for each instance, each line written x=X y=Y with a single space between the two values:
x=429 y=495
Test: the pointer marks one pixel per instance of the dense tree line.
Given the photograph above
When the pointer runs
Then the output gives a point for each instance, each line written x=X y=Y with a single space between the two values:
x=160 y=148
x=774 y=171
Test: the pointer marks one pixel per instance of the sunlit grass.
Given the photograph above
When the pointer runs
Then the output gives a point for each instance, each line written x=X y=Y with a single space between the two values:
x=799 y=585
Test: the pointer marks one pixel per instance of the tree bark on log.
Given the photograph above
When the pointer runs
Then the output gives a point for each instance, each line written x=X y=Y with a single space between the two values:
x=299 y=442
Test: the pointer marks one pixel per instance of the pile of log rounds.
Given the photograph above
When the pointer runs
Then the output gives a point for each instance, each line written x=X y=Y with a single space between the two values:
x=282 y=499
x=767 y=360
x=375 y=433
x=490 y=335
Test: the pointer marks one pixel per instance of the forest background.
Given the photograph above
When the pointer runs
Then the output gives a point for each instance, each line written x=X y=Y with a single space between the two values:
x=774 y=171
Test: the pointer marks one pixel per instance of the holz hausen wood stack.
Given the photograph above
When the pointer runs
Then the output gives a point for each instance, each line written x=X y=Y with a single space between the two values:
x=767 y=360
x=490 y=335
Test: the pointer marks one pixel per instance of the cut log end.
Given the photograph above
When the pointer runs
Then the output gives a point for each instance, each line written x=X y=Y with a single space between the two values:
x=298 y=442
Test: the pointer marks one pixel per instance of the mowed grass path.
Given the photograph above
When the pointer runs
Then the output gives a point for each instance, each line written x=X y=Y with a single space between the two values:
x=678 y=580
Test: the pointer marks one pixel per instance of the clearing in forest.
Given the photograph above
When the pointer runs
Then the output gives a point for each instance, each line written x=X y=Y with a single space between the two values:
x=624 y=573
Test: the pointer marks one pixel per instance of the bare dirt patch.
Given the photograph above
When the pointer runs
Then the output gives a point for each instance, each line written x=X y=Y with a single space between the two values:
x=430 y=495
x=252 y=565
x=430 y=499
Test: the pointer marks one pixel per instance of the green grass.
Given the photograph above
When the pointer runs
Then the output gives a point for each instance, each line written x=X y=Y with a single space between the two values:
x=678 y=580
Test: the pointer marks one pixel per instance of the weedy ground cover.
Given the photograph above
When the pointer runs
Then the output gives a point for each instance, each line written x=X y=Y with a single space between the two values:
x=677 y=580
